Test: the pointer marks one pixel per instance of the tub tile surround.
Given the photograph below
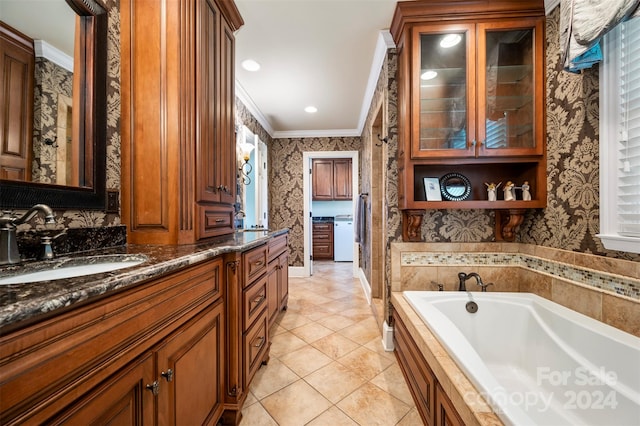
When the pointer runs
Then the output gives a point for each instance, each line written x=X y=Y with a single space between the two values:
x=607 y=290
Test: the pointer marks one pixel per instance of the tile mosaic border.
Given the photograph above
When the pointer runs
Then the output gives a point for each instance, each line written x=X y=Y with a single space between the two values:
x=617 y=284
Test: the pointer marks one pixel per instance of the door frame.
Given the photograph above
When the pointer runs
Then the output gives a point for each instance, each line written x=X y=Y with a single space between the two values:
x=307 y=156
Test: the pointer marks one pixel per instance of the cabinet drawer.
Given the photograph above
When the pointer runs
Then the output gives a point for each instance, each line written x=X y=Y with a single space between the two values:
x=255 y=346
x=254 y=300
x=254 y=264
x=322 y=236
x=214 y=221
x=276 y=246
x=323 y=226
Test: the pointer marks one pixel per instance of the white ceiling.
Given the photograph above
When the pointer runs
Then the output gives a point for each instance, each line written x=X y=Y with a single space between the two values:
x=312 y=52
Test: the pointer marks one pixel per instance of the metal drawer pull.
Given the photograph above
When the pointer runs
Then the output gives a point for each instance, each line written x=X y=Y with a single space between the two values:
x=258 y=299
x=168 y=375
x=259 y=263
x=261 y=339
x=219 y=220
x=154 y=388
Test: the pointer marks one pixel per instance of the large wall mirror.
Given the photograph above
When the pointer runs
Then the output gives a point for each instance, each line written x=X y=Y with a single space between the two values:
x=53 y=121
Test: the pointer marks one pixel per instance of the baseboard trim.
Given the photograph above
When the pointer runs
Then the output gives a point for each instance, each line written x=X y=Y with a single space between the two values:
x=387 y=337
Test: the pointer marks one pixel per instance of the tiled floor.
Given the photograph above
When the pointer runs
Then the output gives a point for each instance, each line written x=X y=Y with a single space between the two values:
x=327 y=366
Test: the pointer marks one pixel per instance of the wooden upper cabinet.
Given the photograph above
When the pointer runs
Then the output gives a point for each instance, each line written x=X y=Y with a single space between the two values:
x=178 y=138
x=482 y=94
x=16 y=103
x=322 y=177
x=331 y=179
x=470 y=100
x=342 y=179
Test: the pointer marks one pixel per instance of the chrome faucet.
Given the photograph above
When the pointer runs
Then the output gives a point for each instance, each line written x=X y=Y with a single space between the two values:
x=464 y=277
x=9 y=253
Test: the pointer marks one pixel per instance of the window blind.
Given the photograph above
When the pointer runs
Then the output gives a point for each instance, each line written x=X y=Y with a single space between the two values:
x=628 y=199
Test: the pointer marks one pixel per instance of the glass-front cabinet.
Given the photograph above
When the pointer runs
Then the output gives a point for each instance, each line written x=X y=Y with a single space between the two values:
x=477 y=87
x=471 y=109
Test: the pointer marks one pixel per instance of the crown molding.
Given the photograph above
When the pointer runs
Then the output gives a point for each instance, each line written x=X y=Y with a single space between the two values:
x=244 y=97
x=291 y=134
x=53 y=54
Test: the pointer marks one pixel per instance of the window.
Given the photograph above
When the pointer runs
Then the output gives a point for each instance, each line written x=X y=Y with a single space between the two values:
x=620 y=138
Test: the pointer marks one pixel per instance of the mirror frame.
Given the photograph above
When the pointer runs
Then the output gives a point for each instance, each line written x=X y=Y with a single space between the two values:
x=93 y=124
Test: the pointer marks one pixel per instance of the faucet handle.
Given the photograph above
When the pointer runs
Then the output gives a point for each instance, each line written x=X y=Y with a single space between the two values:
x=440 y=286
x=484 y=286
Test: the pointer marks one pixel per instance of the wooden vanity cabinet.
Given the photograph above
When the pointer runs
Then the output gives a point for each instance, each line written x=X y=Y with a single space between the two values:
x=149 y=354
x=178 y=135
x=247 y=336
x=474 y=106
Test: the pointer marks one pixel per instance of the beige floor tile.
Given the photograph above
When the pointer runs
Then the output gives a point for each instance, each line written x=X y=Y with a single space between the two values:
x=295 y=405
x=305 y=360
x=291 y=320
x=370 y=405
x=335 y=345
x=311 y=332
x=335 y=381
x=411 y=419
x=365 y=362
x=256 y=415
x=332 y=417
x=392 y=381
x=285 y=343
x=361 y=332
x=251 y=399
x=335 y=322
x=272 y=378
x=375 y=345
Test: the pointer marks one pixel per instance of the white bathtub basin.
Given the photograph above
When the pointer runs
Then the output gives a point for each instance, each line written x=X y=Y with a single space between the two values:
x=536 y=362
x=75 y=267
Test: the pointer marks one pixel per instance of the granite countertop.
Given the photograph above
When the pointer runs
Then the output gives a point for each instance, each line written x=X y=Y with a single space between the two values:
x=31 y=301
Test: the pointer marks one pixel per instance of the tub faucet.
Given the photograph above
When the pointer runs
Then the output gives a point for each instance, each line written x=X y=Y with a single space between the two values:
x=464 y=277
x=9 y=253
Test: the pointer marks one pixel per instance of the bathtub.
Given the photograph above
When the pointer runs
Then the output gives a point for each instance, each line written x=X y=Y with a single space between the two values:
x=536 y=362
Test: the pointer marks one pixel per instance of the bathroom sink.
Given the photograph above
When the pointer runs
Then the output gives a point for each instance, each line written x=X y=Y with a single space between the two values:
x=74 y=267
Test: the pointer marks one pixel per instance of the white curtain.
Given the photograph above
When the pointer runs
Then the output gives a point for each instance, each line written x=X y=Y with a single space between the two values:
x=584 y=22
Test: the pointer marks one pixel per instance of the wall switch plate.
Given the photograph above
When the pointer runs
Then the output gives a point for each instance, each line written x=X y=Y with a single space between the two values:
x=113 y=201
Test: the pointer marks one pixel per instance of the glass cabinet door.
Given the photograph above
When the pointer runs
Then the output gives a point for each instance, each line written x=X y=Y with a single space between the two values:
x=443 y=122
x=510 y=94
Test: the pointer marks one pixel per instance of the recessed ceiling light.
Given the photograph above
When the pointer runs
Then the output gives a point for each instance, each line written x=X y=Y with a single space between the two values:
x=311 y=109
x=250 y=65
x=450 y=40
x=428 y=75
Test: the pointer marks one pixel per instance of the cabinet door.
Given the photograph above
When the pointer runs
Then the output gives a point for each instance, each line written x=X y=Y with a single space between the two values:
x=16 y=104
x=510 y=88
x=342 y=179
x=123 y=400
x=190 y=371
x=443 y=83
x=226 y=142
x=283 y=280
x=322 y=180
x=273 y=300
x=446 y=414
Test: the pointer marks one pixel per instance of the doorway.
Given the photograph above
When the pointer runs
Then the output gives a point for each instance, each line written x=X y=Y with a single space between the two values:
x=307 y=157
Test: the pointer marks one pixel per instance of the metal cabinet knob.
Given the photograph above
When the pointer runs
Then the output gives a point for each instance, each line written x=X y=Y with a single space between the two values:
x=154 y=388
x=167 y=375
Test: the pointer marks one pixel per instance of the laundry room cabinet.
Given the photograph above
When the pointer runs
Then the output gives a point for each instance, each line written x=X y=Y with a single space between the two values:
x=331 y=179
x=470 y=102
